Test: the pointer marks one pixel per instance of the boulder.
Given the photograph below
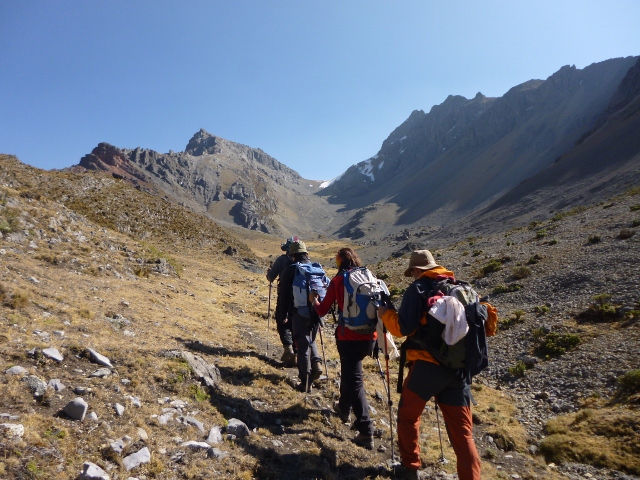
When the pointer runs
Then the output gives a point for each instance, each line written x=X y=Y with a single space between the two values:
x=10 y=430
x=37 y=386
x=215 y=436
x=56 y=384
x=98 y=358
x=91 y=471
x=100 y=373
x=76 y=409
x=206 y=372
x=136 y=459
x=16 y=370
x=238 y=428
x=53 y=354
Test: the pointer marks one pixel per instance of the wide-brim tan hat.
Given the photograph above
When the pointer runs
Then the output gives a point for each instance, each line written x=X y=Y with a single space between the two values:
x=298 y=247
x=421 y=259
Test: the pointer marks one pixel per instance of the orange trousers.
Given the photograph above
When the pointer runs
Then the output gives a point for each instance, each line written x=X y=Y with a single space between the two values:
x=459 y=426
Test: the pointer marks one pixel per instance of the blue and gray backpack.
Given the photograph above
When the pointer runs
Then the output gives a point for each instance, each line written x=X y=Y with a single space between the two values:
x=362 y=294
x=308 y=277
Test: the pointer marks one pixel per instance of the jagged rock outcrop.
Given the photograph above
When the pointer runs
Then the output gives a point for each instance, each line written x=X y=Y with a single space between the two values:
x=223 y=179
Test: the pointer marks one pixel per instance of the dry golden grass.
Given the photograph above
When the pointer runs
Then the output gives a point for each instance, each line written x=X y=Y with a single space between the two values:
x=603 y=436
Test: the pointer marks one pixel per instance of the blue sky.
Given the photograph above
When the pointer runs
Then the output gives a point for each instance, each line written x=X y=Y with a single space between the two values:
x=318 y=84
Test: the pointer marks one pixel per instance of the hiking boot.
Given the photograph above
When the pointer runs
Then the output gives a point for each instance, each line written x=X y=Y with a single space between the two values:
x=344 y=417
x=407 y=473
x=364 y=441
x=289 y=356
x=316 y=370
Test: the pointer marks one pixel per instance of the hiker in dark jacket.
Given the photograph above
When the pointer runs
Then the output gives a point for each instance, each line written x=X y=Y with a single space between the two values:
x=353 y=347
x=283 y=322
x=428 y=378
x=304 y=329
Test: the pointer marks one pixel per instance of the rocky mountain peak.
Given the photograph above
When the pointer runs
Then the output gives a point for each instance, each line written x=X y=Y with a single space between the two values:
x=203 y=143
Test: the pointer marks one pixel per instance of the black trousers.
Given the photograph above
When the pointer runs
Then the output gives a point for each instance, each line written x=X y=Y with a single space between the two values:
x=304 y=333
x=352 y=392
x=283 y=324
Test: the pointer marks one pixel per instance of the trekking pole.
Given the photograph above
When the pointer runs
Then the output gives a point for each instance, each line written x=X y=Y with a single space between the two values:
x=324 y=359
x=384 y=381
x=306 y=383
x=441 y=459
x=269 y=317
x=386 y=359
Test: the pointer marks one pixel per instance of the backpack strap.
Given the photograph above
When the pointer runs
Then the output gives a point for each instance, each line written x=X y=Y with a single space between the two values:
x=403 y=360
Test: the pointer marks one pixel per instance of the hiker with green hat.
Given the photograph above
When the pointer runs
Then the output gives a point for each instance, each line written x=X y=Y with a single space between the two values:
x=428 y=378
x=298 y=280
x=283 y=321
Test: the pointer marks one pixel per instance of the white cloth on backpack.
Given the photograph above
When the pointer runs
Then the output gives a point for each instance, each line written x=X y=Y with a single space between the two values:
x=450 y=312
x=393 y=350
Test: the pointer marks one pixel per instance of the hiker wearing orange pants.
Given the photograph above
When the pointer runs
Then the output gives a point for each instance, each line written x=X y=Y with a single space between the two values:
x=428 y=378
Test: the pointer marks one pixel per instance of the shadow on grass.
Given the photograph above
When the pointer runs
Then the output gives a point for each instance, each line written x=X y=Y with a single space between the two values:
x=200 y=347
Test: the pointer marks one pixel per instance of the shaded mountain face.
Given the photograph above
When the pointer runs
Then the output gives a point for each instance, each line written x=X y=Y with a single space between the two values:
x=604 y=162
x=439 y=166
x=226 y=180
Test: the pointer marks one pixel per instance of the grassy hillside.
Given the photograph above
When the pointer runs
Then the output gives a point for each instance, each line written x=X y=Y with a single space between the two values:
x=89 y=262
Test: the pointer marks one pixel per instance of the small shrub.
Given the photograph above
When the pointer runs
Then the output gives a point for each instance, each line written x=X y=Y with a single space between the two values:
x=518 y=317
x=19 y=299
x=600 y=309
x=574 y=211
x=49 y=257
x=533 y=260
x=541 y=310
x=634 y=208
x=626 y=233
x=533 y=225
x=395 y=291
x=85 y=313
x=10 y=220
x=518 y=370
x=509 y=243
x=552 y=242
x=635 y=223
x=144 y=271
x=512 y=287
x=541 y=233
x=382 y=276
x=476 y=253
x=594 y=239
x=521 y=272
x=538 y=334
x=493 y=266
x=198 y=393
x=466 y=252
x=555 y=344
x=630 y=382
x=583 y=415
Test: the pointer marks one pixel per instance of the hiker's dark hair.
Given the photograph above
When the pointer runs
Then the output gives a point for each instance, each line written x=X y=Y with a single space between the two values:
x=301 y=257
x=349 y=258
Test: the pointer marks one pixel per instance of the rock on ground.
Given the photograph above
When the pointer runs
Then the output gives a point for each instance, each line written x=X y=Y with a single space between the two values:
x=76 y=409
x=91 y=471
x=99 y=359
x=136 y=459
x=238 y=428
